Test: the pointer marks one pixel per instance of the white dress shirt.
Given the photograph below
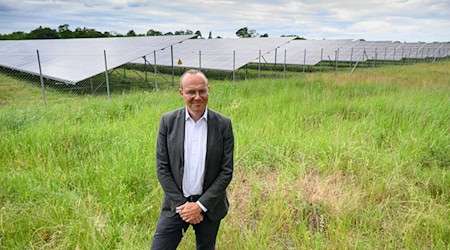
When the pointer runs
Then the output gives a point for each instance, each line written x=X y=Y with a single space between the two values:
x=195 y=135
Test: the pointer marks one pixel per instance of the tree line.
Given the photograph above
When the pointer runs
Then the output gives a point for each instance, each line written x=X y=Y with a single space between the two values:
x=64 y=32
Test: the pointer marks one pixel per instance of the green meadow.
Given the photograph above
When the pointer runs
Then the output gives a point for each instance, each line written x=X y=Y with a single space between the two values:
x=322 y=161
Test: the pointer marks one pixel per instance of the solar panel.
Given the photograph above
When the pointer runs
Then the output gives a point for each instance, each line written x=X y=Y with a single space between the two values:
x=311 y=52
x=73 y=60
x=306 y=52
x=218 y=54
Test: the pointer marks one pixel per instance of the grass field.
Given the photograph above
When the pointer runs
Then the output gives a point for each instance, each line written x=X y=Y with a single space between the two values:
x=325 y=160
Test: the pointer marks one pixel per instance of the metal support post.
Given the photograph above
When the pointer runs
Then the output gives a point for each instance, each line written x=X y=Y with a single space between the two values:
x=284 y=65
x=376 y=58
x=155 y=71
x=234 y=65
x=200 y=60
x=351 y=58
x=321 y=57
x=304 y=60
x=337 y=59
x=106 y=74
x=173 y=69
x=42 y=78
x=145 y=68
x=259 y=65
x=403 y=50
x=393 y=57
x=364 y=54
x=275 y=63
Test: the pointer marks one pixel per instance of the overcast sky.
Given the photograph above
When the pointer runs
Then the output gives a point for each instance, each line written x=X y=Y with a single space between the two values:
x=397 y=20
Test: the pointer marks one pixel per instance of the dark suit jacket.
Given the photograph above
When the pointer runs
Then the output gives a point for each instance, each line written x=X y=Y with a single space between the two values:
x=218 y=163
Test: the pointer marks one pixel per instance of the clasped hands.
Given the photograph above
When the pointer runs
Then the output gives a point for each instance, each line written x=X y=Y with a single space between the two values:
x=190 y=212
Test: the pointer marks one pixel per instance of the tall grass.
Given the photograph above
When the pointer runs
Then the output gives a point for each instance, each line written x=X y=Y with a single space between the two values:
x=331 y=160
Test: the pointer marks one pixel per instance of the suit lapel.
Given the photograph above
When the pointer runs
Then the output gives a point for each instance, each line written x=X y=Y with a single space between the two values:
x=180 y=134
x=210 y=137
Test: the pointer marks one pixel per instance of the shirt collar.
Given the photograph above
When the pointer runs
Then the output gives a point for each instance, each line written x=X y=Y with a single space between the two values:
x=205 y=115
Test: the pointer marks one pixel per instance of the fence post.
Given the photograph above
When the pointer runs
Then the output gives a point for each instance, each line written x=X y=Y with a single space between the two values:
x=275 y=64
x=403 y=50
x=284 y=66
x=321 y=58
x=393 y=57
x=234 y=65
x=364 y=54
x=376 y=58
x=259 y=65
x=200 y=60
x=145 y=68
x=304 y=60
x=171 y=58
x=42 y=78
x=337 y=59
x=155 y=72
x=106 y=74
x=351 y=58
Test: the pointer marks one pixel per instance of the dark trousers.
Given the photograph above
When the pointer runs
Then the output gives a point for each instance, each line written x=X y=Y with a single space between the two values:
x=169 y=232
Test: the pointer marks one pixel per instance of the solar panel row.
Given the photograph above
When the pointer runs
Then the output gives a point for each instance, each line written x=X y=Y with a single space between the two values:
x=73 y=60
x=311 y=52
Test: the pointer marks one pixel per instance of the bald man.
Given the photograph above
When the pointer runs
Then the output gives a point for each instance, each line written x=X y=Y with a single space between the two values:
x=194 y=164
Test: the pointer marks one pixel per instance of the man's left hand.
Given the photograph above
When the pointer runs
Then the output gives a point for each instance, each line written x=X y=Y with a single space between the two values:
x=190 y=212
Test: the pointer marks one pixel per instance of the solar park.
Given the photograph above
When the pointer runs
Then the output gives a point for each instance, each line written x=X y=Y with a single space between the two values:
x=74 y=61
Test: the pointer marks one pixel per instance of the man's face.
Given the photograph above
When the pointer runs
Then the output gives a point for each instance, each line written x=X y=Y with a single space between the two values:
x=195 y=93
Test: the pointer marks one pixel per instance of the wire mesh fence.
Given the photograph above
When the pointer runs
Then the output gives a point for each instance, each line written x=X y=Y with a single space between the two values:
x=146 y=74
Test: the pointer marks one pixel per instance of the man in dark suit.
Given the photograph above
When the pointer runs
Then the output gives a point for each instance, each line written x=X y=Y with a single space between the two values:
x=194 y=163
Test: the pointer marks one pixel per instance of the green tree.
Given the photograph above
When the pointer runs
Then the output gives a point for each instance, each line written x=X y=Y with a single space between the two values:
x=264 y=35
x=210 y=35
x=43 y=33
x=245 y=32
x=16 y=35
x=64 y=31
x=87 y=33
x=152 y=32
x=131 y=33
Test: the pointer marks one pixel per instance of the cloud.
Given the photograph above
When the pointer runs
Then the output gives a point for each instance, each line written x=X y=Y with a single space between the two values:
x=370 y=19
x=5 y=7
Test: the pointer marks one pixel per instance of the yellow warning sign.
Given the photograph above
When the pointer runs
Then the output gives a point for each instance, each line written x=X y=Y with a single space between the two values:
x=179 y=61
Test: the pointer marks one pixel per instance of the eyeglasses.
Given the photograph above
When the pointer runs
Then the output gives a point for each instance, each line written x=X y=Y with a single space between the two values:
x=193 y=93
